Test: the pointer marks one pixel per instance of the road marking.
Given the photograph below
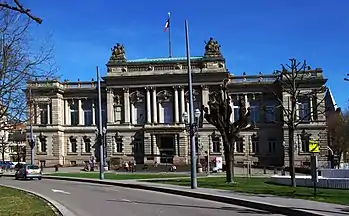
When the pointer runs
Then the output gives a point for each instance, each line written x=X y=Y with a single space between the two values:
x=126 y=200
x=60 y=191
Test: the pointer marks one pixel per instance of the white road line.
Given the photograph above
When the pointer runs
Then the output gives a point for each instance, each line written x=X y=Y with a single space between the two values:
x=60 y=191
x=126 y=200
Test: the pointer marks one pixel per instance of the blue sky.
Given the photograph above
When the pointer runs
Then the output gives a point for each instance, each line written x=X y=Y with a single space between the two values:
x=255 y=35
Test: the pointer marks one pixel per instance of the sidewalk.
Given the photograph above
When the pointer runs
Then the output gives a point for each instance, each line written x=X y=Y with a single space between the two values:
x=307 y=205
x=281 y=205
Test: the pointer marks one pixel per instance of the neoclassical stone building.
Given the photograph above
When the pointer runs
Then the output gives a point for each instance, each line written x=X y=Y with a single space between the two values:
x=143 y=102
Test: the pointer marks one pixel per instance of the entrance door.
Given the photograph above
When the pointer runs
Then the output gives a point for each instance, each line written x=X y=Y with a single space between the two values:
x=138 y=149
x=166 y=147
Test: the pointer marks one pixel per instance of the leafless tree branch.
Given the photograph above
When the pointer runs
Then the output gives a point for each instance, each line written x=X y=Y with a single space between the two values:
x=18 y=7
x=20 y=61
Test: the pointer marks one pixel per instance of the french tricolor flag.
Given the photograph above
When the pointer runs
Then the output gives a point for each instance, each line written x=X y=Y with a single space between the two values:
x=167 y=24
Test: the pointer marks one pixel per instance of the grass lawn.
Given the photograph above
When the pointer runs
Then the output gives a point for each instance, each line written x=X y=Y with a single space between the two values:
x=15 y=202
x=258 y=186
x=119 y=176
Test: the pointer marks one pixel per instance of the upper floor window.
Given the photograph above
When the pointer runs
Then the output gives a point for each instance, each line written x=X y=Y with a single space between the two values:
x=104 y=114
x=255 y=108
x=270 y=110
x=272 y=145
x=239 y=142
x=87 y=108
x=216 y=144
x=74 y=113
x=168 y=112
x=44 y=112
x=138 y=107
x=304 y=108
x=255 y=143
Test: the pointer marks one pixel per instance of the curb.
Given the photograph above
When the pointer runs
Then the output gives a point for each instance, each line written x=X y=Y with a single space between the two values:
x=58 y=208
x=199 y=195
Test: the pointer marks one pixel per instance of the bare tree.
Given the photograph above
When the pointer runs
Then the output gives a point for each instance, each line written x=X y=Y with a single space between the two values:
x=21 y=59
x=294 y=80
x=338 y=128
x=19 y=8
x=218 y=114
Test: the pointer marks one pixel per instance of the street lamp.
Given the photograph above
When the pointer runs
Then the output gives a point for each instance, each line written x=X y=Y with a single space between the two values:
x=2 y=136
x=101 y=154
x=192 y=127
x=104 y=143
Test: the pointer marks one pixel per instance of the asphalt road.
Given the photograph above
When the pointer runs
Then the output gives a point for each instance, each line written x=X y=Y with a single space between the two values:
x=85 y=199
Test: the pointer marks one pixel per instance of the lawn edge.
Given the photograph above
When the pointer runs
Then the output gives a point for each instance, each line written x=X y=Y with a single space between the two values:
x=57 y=208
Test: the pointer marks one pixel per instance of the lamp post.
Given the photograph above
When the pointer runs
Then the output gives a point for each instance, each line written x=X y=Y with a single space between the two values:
x=104 y=143
x=2 y=136
x=191 y=123
x=101 y=155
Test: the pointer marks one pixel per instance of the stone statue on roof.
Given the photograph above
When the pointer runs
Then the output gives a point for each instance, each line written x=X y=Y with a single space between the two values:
x=118 y=52
x=212 y=48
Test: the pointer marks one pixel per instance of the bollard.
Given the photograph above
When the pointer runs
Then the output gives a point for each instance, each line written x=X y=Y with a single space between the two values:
x=264 y=170
x=56 y=168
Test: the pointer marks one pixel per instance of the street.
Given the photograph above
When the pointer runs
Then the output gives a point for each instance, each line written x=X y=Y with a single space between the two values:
x=85 y=199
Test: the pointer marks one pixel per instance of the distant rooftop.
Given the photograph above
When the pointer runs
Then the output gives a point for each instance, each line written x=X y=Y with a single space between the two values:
x=165 y=59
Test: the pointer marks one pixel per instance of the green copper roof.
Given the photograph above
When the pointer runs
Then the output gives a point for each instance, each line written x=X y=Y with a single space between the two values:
x=165 y=59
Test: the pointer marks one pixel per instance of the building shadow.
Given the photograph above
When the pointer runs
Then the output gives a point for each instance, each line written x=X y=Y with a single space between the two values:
x=233 y=209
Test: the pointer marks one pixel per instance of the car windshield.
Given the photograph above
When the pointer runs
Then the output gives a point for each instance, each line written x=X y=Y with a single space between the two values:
x=32 y=167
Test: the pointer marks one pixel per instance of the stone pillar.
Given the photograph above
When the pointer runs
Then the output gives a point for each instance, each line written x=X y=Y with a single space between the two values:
x=182 y=103
x=155 y=110
x=38 y=114
x=48 y=114
x=110 y=116
x=67 y=112
x=83 y=150
x=126 y=105
x=148 y=99
x=311 y=108
x=81 y=112
x=155 y=149
x=232 y=108
x=176 y=105
x=93 y=113
x=133 y=117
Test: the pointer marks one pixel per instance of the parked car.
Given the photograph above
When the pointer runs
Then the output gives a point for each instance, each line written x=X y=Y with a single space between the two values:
x=28 y=171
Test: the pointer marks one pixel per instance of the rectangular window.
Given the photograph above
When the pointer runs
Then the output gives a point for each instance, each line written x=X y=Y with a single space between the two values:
x=43 y=114
x=239 y=145
x=270 y=111
x=74 y=113
x=255 y=110
x=305 y=145
x=119 y=146
x=216 y=144
x=304 y=109
x=87 y=108
x=74 y=145
x=168 y=112
x=272 y=146
x=255 y=146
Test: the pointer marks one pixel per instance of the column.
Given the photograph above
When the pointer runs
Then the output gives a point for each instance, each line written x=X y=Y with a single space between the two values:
x=110 y=107
x=182 y=103
x=205 y=98
x=133 y=117
x=81 y=112
x=311 y=108
x=148 y=105
x=93 y=113
x=126 y=105
x=48 y=114
x=176 y=104
x=160 y=113
x=38 y=114
x=83 y=150
x=232 y=108
x=67 y=112
x=155 y=110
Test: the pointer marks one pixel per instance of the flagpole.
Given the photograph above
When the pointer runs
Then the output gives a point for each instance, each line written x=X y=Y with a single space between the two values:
x=169 y=35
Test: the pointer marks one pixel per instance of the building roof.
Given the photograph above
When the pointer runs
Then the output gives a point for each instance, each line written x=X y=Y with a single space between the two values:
x=172 y=59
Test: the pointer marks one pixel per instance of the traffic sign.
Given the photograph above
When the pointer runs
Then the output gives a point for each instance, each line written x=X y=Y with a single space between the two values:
x=314 y=146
